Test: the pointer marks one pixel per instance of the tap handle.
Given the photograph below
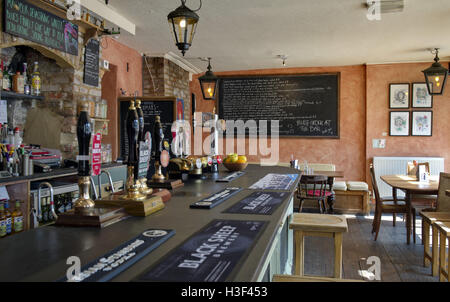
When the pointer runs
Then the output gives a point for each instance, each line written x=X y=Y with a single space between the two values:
x=84 y=133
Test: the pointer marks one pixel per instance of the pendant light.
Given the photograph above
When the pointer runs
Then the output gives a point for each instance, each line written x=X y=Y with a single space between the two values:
x=436 y=76
x=209 y=83
x=183 y=23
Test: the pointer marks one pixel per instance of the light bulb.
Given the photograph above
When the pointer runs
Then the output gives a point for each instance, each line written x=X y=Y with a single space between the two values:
x=183 y=23
x=438 y=84
x=437 y=79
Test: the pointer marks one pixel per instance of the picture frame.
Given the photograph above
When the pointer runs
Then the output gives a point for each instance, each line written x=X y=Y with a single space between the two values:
x=399 y=123
x=399 y=96
x=422 y=123
x=420 y=96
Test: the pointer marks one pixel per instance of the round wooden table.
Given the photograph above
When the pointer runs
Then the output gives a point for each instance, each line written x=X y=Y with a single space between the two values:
x=411 y=186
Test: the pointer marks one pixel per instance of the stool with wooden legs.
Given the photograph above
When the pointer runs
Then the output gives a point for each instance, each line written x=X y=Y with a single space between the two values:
x=318 y=225
x=429 y=219
x=444 y=264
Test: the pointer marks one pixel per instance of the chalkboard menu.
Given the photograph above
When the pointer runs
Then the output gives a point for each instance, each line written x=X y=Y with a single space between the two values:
x=35 y=24
x=92 y=63
x=164 y=107
x=305 y=105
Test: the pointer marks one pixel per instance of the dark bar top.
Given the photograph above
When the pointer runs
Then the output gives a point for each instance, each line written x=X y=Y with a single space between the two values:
x=41 y=254
x=53 y=174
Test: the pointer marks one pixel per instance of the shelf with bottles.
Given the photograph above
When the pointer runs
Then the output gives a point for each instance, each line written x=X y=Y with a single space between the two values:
x=10 y=95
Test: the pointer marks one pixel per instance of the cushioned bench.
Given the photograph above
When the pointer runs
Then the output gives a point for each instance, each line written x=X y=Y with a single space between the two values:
x=352 y=197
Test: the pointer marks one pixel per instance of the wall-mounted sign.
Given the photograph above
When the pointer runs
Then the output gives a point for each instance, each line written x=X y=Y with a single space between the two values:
x=35 y=24
x=92 y=63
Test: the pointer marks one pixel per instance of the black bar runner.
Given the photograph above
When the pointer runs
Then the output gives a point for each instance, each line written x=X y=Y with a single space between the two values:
x=259 y=203
x=210 y=255
x=118 y=260
x=231 y=177
x=216 y=199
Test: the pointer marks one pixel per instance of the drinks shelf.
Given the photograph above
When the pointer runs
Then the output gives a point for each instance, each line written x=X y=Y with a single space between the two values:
x=8 y=95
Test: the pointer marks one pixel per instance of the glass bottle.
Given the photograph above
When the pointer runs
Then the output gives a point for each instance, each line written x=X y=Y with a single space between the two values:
x=2 y=221
x=6 y=80
x=8 y=219
x=17 y=218
x=36 y=80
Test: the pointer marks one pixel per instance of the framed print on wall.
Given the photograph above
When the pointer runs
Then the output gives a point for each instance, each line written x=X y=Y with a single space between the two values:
x=420 y=96
x=399 y=96
x=399 y=123
x=422 y=123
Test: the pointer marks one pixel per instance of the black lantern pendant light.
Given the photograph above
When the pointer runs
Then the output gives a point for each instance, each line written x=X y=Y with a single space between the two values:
x=183 y=23
x=209 y=83
x=436 y=76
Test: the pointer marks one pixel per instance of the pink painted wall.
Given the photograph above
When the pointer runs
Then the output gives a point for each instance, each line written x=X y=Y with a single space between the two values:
x=378 y=79
x=118 y=77
x=348 y=152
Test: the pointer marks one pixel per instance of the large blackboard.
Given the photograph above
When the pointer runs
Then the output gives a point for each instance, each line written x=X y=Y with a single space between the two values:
x=92 y=63
x=32 y=23
x=305 y=105
x=165 y=108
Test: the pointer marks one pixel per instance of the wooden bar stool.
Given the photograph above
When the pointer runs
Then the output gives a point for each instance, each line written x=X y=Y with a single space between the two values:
x=444 y=265
x=318 y=225
x=429 y=219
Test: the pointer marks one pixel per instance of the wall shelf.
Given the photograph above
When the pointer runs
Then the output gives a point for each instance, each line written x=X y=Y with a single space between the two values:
x=8 y=95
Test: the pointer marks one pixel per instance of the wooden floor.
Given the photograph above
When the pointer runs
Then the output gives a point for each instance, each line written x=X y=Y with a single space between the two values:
x=399 y=262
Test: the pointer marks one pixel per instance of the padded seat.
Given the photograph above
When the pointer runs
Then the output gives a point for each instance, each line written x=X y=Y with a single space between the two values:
x=357 y=186
x=318 y=193
x=340 y=186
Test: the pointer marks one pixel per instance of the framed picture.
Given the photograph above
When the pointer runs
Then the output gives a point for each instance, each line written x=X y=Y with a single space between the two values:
x=422 y=123
x=399 y=96
x=399 y=123
x=420 y=96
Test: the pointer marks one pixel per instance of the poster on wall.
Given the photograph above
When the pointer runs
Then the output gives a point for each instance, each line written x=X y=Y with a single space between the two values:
x=180 y=109
x=422 y=123
x=420 y=97
x=399 y=96
x=399 y=123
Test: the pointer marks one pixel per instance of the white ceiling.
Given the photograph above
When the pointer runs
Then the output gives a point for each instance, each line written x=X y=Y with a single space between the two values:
x=249 y=34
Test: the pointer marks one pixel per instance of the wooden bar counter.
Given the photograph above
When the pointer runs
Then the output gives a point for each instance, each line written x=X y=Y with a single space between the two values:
x=41 y=254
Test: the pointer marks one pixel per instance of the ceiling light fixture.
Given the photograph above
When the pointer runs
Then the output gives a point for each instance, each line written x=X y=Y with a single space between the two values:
x=284 y=58
x=209 y=83
x=436 y=76
x=183 y=23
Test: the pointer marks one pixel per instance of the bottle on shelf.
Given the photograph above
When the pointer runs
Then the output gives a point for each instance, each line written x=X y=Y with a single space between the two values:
x=18 y=83
x=3 y=232
x=8 y=219
x=26 y=84
x=1 y=75
x=36 y=80
x=17 y=218
x=6 y=84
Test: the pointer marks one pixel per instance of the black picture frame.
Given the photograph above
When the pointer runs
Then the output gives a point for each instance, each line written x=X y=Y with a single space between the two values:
x=397 y=93
x=429 y=114
x=408 y=123
x=423 y=88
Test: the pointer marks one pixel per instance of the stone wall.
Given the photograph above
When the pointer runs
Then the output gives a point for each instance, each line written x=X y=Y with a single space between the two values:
x=169 y=80
x=62 y=87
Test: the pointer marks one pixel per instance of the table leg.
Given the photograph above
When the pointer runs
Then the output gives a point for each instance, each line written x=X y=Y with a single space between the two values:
x=299 y=253
x=426 y=242
x=435 y=251
x=442 y=257
x=331 y=199
x=408 y=217
x=338 y=255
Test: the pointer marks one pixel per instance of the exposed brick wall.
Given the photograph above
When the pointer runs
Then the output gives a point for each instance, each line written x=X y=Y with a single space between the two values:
x=169 y=78
x=62 y=87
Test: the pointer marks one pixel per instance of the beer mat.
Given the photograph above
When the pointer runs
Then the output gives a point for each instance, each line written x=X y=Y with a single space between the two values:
x=215 y=199
x=210 y=255
x=118 y=260
x=281 y=182
x=230 y=177
x=258 y=203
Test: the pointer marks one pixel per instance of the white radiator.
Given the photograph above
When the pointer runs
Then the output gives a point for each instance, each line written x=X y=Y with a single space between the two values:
x=398 y=165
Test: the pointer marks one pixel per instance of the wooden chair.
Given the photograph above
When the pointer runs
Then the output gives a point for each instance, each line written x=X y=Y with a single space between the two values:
x=387 y=205
x=313 y=187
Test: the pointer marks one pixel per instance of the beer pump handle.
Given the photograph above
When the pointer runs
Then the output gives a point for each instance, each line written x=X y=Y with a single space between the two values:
x=132 y=133
x=84 y=133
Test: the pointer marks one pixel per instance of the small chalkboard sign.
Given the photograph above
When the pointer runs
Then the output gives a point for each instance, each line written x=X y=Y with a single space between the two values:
x=165 y=107
x=92 y=63
x=30 y=22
